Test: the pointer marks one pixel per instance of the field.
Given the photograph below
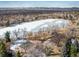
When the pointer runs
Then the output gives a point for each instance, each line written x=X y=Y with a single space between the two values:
x=39 y=32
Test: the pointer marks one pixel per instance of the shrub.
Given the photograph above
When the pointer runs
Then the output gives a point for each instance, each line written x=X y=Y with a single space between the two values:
x=2 y=49
x=18 y=54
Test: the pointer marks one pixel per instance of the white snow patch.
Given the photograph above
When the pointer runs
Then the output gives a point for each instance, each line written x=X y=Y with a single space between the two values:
x=13 y=47
x=17 y=43
x=35 y=25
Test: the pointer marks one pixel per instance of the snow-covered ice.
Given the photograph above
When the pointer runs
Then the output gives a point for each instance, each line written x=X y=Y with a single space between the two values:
x=35 y=25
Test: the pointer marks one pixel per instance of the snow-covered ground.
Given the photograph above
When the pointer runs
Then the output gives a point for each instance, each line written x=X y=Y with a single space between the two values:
x=35 y=25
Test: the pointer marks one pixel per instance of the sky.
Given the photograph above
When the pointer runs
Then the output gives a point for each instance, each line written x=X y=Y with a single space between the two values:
x=39 y=4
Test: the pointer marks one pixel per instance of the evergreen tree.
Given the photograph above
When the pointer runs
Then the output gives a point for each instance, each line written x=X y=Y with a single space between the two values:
x=3 y=50
x=7 y=37
x=71 y=49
